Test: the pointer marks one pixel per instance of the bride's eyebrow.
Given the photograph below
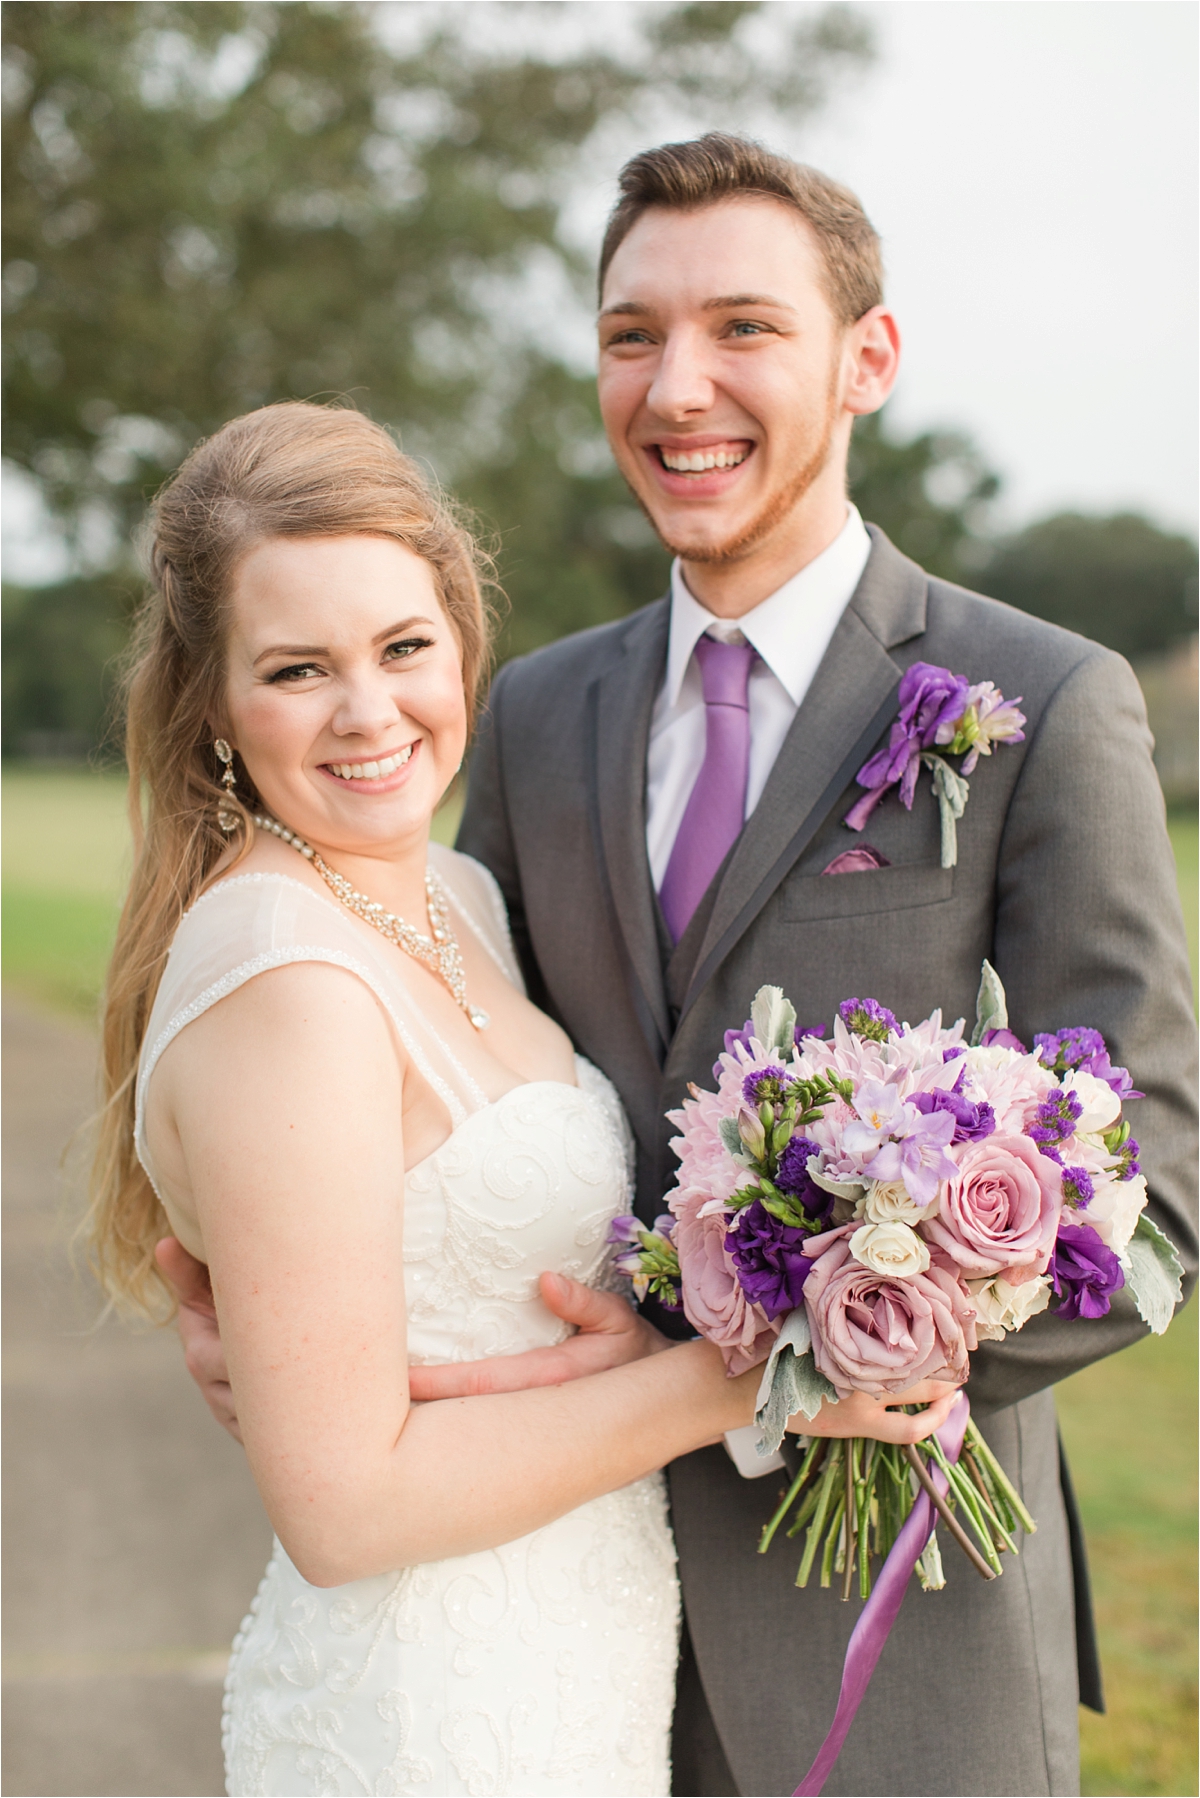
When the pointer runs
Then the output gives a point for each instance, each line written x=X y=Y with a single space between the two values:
x=320 y=649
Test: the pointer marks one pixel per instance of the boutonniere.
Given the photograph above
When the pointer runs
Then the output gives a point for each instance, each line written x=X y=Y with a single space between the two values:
x=938 y=711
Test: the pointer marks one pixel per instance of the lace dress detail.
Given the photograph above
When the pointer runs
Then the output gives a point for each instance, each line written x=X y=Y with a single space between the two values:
x=546 y=1665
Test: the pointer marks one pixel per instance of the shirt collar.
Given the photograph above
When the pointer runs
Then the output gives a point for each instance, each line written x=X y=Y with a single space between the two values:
x=791 y=629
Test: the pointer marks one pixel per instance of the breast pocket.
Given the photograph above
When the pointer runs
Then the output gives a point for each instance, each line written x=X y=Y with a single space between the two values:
x=808 y=897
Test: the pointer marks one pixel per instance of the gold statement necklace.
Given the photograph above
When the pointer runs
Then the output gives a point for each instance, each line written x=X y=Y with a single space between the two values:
x=440 y=951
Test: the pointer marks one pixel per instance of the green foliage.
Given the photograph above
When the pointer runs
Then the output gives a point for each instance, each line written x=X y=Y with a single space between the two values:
x=61 y=647
x=929 y=493
x=1119 y=580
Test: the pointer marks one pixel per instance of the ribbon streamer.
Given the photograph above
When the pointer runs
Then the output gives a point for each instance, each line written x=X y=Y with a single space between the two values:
x=882 y=1608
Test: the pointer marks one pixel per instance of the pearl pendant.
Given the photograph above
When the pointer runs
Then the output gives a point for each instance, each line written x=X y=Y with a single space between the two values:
x=478 y=1017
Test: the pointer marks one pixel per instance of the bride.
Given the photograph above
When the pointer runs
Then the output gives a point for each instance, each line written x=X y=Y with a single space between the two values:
x=325 y=1080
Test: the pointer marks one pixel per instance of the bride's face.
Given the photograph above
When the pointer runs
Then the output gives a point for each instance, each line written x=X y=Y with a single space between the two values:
x=344 y=693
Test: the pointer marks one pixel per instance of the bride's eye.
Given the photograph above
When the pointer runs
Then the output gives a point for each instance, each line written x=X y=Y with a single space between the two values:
x=405 y=647
x=297 y=671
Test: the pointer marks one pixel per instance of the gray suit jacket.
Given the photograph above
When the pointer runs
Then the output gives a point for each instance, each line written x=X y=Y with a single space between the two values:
x=1065 y=882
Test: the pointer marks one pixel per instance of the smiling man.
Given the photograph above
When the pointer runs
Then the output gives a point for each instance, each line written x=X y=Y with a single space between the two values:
x=662 y=799
x=662 y=802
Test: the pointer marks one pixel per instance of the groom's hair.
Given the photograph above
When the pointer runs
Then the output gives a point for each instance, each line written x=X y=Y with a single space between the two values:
x=719 y=166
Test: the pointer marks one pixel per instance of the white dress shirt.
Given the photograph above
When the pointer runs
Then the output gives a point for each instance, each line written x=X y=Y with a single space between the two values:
x=791 y=632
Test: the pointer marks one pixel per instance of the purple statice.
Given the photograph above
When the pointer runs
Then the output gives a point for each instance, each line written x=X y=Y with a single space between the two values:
x=1079 y=1047
x=792 y=1176
x=971 y=1122
x=770 y=1260
x=1084 y=1272
x=1077 y=1187
x=867 y=1018
x=1056 y=1120
x=1063 y=1049
x=764 y=1084
x=1126 y=1164
x=953 y=1053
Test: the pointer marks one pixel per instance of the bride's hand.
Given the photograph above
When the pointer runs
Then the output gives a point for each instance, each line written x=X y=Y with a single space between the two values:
x=608 y=1333
x=859 y=1415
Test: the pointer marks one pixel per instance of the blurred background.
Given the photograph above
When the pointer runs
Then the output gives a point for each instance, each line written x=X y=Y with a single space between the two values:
x=211 y=206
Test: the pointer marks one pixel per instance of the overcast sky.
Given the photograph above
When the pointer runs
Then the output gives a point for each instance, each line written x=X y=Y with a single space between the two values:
x=1032 y=166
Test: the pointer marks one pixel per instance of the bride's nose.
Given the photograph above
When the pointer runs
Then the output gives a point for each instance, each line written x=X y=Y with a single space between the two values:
x=366 y=706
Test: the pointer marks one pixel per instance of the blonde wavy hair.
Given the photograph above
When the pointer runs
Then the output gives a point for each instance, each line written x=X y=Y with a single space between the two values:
x=290 y=470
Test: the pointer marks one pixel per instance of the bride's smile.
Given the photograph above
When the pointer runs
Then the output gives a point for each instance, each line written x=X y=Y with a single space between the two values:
x=344 y=697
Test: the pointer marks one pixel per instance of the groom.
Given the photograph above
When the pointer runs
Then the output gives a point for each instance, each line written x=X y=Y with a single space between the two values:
x=661 y=801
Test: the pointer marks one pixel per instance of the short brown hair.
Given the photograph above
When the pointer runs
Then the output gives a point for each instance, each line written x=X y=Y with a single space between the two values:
x=719 y=166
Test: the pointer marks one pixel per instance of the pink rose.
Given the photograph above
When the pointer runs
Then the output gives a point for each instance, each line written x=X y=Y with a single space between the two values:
x=1000 y=1214
x=880 y=1335
x=713 y=1300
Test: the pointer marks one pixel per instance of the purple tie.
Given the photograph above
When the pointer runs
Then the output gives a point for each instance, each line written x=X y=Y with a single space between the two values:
x=716 y=807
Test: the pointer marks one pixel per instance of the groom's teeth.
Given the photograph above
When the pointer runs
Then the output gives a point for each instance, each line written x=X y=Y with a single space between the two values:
x=700 y=461
x=372 y=770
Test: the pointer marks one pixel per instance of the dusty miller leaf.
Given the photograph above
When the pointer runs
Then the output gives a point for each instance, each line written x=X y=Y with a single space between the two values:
x=991 y=1007
x=774 y=1020
x=1154 y=1275
x=790 y=1382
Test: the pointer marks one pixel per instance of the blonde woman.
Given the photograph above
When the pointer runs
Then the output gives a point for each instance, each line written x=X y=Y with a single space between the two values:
x=325 y=1080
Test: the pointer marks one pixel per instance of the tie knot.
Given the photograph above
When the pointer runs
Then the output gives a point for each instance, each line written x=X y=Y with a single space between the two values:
x=725 y=671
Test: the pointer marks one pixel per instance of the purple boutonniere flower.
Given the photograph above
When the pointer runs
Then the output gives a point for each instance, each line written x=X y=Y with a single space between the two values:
x=938 y=711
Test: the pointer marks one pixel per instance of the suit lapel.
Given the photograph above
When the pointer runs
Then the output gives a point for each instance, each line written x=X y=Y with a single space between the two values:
x=621 y=701
x=844 y=713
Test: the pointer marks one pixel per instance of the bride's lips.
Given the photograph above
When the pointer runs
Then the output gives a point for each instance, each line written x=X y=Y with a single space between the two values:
x=379 y=774
x=693 y=483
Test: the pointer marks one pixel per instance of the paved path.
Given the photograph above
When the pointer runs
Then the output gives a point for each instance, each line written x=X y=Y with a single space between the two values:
x=134 y=1536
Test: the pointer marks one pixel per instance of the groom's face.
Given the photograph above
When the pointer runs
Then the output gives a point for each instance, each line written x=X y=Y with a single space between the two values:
x=721 y=367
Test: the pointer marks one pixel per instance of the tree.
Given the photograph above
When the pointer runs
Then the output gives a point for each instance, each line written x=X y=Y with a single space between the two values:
x=930 y=493
x=1119 y=579
x=212 y=206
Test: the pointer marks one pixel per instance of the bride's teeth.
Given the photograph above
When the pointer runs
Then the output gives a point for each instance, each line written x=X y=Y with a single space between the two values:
x=372 y=770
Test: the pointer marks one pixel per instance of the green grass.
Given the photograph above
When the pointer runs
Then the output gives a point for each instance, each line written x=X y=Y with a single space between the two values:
x=1129 y=1422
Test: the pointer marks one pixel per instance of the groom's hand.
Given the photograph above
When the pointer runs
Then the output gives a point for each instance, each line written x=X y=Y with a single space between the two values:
x=202 y=1352
x=607 y=1334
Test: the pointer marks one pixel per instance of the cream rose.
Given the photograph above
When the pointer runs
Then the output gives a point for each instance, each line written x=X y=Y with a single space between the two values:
x=1114 y=1211
x=889 y=1202
x=890 y=1249
x=1000 y=1307
x=1101 y=1105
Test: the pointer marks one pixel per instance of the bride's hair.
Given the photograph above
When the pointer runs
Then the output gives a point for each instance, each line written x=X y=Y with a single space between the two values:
x=291 y=470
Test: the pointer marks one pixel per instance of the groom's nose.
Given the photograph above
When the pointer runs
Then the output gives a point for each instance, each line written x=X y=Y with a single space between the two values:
x=683 y=383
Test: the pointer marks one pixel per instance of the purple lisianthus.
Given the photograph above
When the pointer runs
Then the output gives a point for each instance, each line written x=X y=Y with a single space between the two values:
x=1003 y=1039
x=735 y=1039
x=867 y=1018
x=764 y=1083
x=792 y=1176
x=1118 y=1078
x=971 y=1122
x=929 y=697
x=803 y=1030
x=770 y=1260
x=1084 y=1272
x=1077 y=1187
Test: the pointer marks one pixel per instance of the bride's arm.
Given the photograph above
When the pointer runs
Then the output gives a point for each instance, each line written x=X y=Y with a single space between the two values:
x=287 y=1099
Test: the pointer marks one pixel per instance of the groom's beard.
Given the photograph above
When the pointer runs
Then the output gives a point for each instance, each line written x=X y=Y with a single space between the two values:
x=776 y=507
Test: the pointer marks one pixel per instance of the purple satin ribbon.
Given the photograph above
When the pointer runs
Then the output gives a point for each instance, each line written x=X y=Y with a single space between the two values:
x=879 y=1613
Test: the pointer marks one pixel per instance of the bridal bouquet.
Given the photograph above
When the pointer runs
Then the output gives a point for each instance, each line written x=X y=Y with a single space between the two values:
x=859 y=1213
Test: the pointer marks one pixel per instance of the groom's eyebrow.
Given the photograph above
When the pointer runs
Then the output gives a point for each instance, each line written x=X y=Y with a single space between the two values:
x=721 y=303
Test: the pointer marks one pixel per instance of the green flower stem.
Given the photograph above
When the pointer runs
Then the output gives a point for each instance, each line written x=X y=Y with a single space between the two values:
x=824 y=1494
x=804 y=1510
x=810 y=1463
x=946 y=1514
x=987 y=1459
x=964 y=1492
x=831 y=1540
x=851 y=1514
x=1005 y=1543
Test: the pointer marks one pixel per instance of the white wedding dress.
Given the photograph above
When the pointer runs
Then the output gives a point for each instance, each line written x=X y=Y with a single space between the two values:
x=543 y=1666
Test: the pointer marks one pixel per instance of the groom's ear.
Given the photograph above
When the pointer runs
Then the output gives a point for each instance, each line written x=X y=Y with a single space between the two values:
x=870 y=361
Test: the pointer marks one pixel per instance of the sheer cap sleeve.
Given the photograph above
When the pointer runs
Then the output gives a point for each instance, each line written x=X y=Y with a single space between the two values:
x=251 y=923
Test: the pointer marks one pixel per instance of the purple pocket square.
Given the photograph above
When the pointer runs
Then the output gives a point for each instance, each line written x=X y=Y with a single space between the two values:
x=857 y=861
